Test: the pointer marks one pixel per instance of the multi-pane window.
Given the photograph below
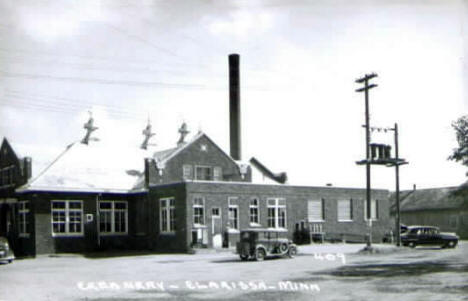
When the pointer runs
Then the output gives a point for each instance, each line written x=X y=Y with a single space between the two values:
x=233 y=213
x=204 y=173
x=7 y=176
x=187 y=172
x=208 y=173
x=198 y=211
x=217 y=173
x=113 y=217
x=315 y=210
x=276 y=213
x=374 y=209
x=23 y=212
x=215 y=212
x=67 y=217
x=253 y=208
x=345 y=210
x=167 y=215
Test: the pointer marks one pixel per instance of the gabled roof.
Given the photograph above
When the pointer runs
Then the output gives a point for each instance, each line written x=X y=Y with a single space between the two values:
x=41 y=156
x=164 y=156
x=92 y=168
x=435 y=199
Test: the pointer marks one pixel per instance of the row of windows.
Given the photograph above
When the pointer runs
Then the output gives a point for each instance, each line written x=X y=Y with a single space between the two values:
x=316 y=210
x=202 y=173
x=7 y=176
x=276 y=212
x=67 y=217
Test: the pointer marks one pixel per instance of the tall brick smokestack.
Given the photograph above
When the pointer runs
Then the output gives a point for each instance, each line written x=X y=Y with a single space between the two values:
x=234 y=107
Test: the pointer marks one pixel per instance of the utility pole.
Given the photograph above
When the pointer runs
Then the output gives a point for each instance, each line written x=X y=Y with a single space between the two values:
x=397 y=188
x=397 y=162
x=366 y=89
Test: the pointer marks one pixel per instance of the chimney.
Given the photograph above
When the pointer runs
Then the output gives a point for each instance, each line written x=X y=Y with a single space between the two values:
x=234 y=107
x=27 y=168
x=147 y=174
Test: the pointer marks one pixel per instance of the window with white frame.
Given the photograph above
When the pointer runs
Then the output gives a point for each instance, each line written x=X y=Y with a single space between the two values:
x=167 y=215
x=233 y=213
x=217 y=173
x=204 y=173
x=67 y=217
x=23 y=213
x=276 y=213
x=187 y=172
x=254 y=212
x=113 y=217
x=345 y=210
x=315 y=210
x=198 y=211
x=374 y=209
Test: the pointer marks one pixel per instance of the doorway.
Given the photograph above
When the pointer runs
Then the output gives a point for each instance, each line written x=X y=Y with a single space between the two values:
x=216 y=227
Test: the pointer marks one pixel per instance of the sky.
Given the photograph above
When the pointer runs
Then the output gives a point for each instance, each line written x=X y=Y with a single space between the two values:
x=167 y=61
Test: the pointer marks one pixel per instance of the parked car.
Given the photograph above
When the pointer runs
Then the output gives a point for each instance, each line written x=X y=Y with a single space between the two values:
x=259 y=243
x=390 y=236
x=6 y=253
x=428 y=235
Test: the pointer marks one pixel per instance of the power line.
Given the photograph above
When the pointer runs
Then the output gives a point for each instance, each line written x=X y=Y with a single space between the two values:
x=101 y=81
x=67 y=101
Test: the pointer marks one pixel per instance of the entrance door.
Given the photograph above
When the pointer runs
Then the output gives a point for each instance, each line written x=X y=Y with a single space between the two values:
x=216 y=227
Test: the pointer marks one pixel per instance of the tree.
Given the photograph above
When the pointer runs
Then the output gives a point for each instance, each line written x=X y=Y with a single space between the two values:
x=461 y=131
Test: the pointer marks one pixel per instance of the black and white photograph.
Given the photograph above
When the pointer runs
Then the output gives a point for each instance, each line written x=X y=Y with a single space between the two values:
x=233 y=150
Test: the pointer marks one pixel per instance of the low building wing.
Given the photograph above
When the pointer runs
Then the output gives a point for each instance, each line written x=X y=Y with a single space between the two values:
x=92 y=167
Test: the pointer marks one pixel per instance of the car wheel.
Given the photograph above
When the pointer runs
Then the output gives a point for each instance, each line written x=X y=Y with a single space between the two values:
x=411 y=244
x=244 y=257
x=452 y=244
x=260 y=255
x=283 y=247
x=10 y=261
x=292 y=252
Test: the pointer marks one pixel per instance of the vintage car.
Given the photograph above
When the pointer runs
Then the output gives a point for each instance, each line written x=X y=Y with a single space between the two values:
x=6 y=253
x=428 y=235
x=259 y=243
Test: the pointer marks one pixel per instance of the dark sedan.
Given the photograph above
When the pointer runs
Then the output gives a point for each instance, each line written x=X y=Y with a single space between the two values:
x=428 y=236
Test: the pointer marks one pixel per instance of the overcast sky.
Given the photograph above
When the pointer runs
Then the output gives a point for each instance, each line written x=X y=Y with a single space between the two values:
x=167 y=60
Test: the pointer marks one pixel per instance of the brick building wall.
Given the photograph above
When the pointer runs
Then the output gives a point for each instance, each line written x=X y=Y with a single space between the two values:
x=201 y=152
x=42 y=241
x=217 y=195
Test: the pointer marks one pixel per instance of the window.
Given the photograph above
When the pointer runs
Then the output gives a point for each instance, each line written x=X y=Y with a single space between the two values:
x=276 y=213
x=204 y=173
x=198 y=211
x=23 y=212
x=7 y=176
x=215 y=212
x=208 y=173
x=374 y=210
x=113 y=217
x=167 y=215
x=315 y=210
x=217 y=174
x=67 y=218
x=254 y=218
x=233 y=213
x=187 y=172
x=345 y=210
